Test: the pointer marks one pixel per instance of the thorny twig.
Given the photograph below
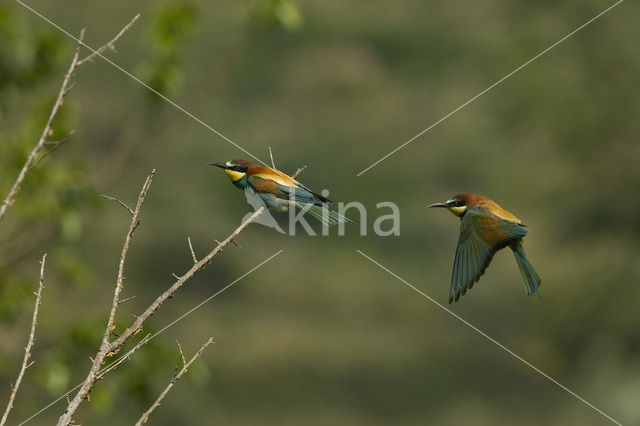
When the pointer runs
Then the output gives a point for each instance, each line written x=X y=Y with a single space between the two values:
x=273 y=164
x=27 y=349
x=105 y=347
x=108 y=348
x=111 y=45
x=300 y=170
x=33 y=158
x=118 y=201
x=181 y=353
x=193 y=253
x=33 y=155
x=185 y=367
x=123 y=358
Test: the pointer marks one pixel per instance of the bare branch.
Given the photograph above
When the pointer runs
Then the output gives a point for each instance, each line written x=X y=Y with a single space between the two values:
x=123 y=257
x=234 y=242
x=137 y=324
x=184 y=361
x=111 y=348
x=67 y=85
x=118 y=201
x=27 y=351
x=126 y=299
x=271 y=155
x=177 y=377
x=105 y=347
x=193 y=254
x=54 y=145
x=71 y=84
x=33 y=155
x=122 y=359
x=110 y=45
x=300 y=170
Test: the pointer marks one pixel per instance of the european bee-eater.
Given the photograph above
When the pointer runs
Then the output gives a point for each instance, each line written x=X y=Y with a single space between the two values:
x=485 y=228
x=278 y=190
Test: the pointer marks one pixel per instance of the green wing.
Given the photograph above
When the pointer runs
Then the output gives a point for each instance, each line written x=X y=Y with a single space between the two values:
x=477 y=246
x=296 y=193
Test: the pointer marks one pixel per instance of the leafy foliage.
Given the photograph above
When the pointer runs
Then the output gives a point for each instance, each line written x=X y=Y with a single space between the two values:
x=51 y=208
x=172 y=25
x=276 y=13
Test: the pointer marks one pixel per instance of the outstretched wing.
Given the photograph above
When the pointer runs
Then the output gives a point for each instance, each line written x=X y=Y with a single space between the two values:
x=481 y=235
x=284 y=187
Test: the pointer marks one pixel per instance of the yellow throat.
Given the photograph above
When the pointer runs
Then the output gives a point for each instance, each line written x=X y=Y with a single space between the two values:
x=233 y=175
x=457 y=210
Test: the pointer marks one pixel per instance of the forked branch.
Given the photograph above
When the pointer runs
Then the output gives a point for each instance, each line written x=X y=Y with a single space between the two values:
x=109 y=348
x=111 y=45
x=185 y=366
x=105 y=346
x=34 y=156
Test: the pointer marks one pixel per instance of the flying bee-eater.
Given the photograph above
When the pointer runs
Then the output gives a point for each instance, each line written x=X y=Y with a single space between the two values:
x=278 y=190
x=485 y=228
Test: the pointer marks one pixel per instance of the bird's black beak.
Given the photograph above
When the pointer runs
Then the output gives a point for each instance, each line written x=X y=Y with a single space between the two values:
x=438 y=205
x=221 y=165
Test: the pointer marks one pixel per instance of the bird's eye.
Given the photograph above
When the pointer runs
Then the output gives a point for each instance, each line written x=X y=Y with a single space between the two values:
x=456 y=203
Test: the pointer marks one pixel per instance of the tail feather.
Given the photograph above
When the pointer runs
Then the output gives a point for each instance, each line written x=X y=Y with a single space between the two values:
x=325 y=215
x=531 y=278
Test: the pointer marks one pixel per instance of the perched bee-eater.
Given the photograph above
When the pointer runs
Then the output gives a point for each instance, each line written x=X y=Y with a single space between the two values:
x=278 y=190
x=485 y=228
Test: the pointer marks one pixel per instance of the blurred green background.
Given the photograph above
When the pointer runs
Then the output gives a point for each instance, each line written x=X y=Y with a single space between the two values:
x=320 y=335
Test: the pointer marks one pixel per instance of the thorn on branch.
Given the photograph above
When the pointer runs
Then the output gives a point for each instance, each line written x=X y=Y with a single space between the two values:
x=193 y=254
x=71 y=86
x=46 y=132
x=110 y=45
x=137 y=325
x=185 y=367
x=123 y=358
x=233 y=241
x=126 y=299
x=54 y=145
x=300 y=170
x=273 y=165
x=119 y=202
x=184 y=361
